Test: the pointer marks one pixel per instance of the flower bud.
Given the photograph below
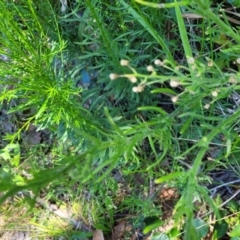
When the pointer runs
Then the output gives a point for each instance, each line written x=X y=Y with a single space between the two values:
x=214 y=93
x=124 y=62
x=174 y=83
x=157 y=62
x=150 y=68
x=139 y=88
x=174 y=99
x=113 y=76
x=207 y=106
x=190 y=60
x=132 y=79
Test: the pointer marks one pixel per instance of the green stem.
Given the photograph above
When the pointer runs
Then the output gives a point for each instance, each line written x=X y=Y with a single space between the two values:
x=192 y=177
x=162 y=5
x=208 y=12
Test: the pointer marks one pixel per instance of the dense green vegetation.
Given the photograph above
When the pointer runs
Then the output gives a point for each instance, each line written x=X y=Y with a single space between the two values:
x=124 y=112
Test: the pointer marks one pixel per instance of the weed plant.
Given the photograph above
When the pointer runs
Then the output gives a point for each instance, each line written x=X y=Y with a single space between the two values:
x=159 y=110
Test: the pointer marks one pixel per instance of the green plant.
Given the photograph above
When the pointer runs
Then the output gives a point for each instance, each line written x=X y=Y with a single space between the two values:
x=161 y=104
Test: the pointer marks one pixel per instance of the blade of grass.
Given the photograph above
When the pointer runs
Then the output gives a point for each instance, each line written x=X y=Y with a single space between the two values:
x=192 y=180
x=108 y=42
x=183 y=33
x=143 y=21
x=162 y=5
x=207 y=11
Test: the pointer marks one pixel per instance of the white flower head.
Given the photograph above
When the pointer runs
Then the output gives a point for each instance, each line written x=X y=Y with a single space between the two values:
x=207 y=106
x=174 y=99
x=174 y=83
x=124 y=62
x=150 y=68
x=113 y=76
x=158 y=62
x=214 y=93
x=133 y=79
x=139 y=88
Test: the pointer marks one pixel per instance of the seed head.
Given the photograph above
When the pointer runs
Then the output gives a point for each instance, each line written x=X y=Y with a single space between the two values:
x=132 y=79
x=139 y=88
x=113 y=76
x=150 y=68
x=174 y=99
x=157 y=62
x=174 y=83
x=214 y=93
x=207 y=106
x=124 y=62
x=210 y=63
x=190 y=60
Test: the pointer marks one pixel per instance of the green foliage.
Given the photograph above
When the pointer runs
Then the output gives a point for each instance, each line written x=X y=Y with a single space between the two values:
x=235 y=3
x=201 y=227
x=162 y=105
x=160 y=236
x=235 y=232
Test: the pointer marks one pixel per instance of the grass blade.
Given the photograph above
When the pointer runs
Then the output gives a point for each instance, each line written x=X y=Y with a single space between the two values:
x=143 y=21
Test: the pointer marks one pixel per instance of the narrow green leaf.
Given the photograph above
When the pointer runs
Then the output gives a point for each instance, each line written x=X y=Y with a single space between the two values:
x=229 y=147
x=143 y=21
x=183 y=32
x=152 y=226
x=42 y=109
x=168 y=177
x=164 y=90
x=165 y=150
x=198 y=116
x=152 y=108
x=186 y=125
x=162 y=5
x=114 y=125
